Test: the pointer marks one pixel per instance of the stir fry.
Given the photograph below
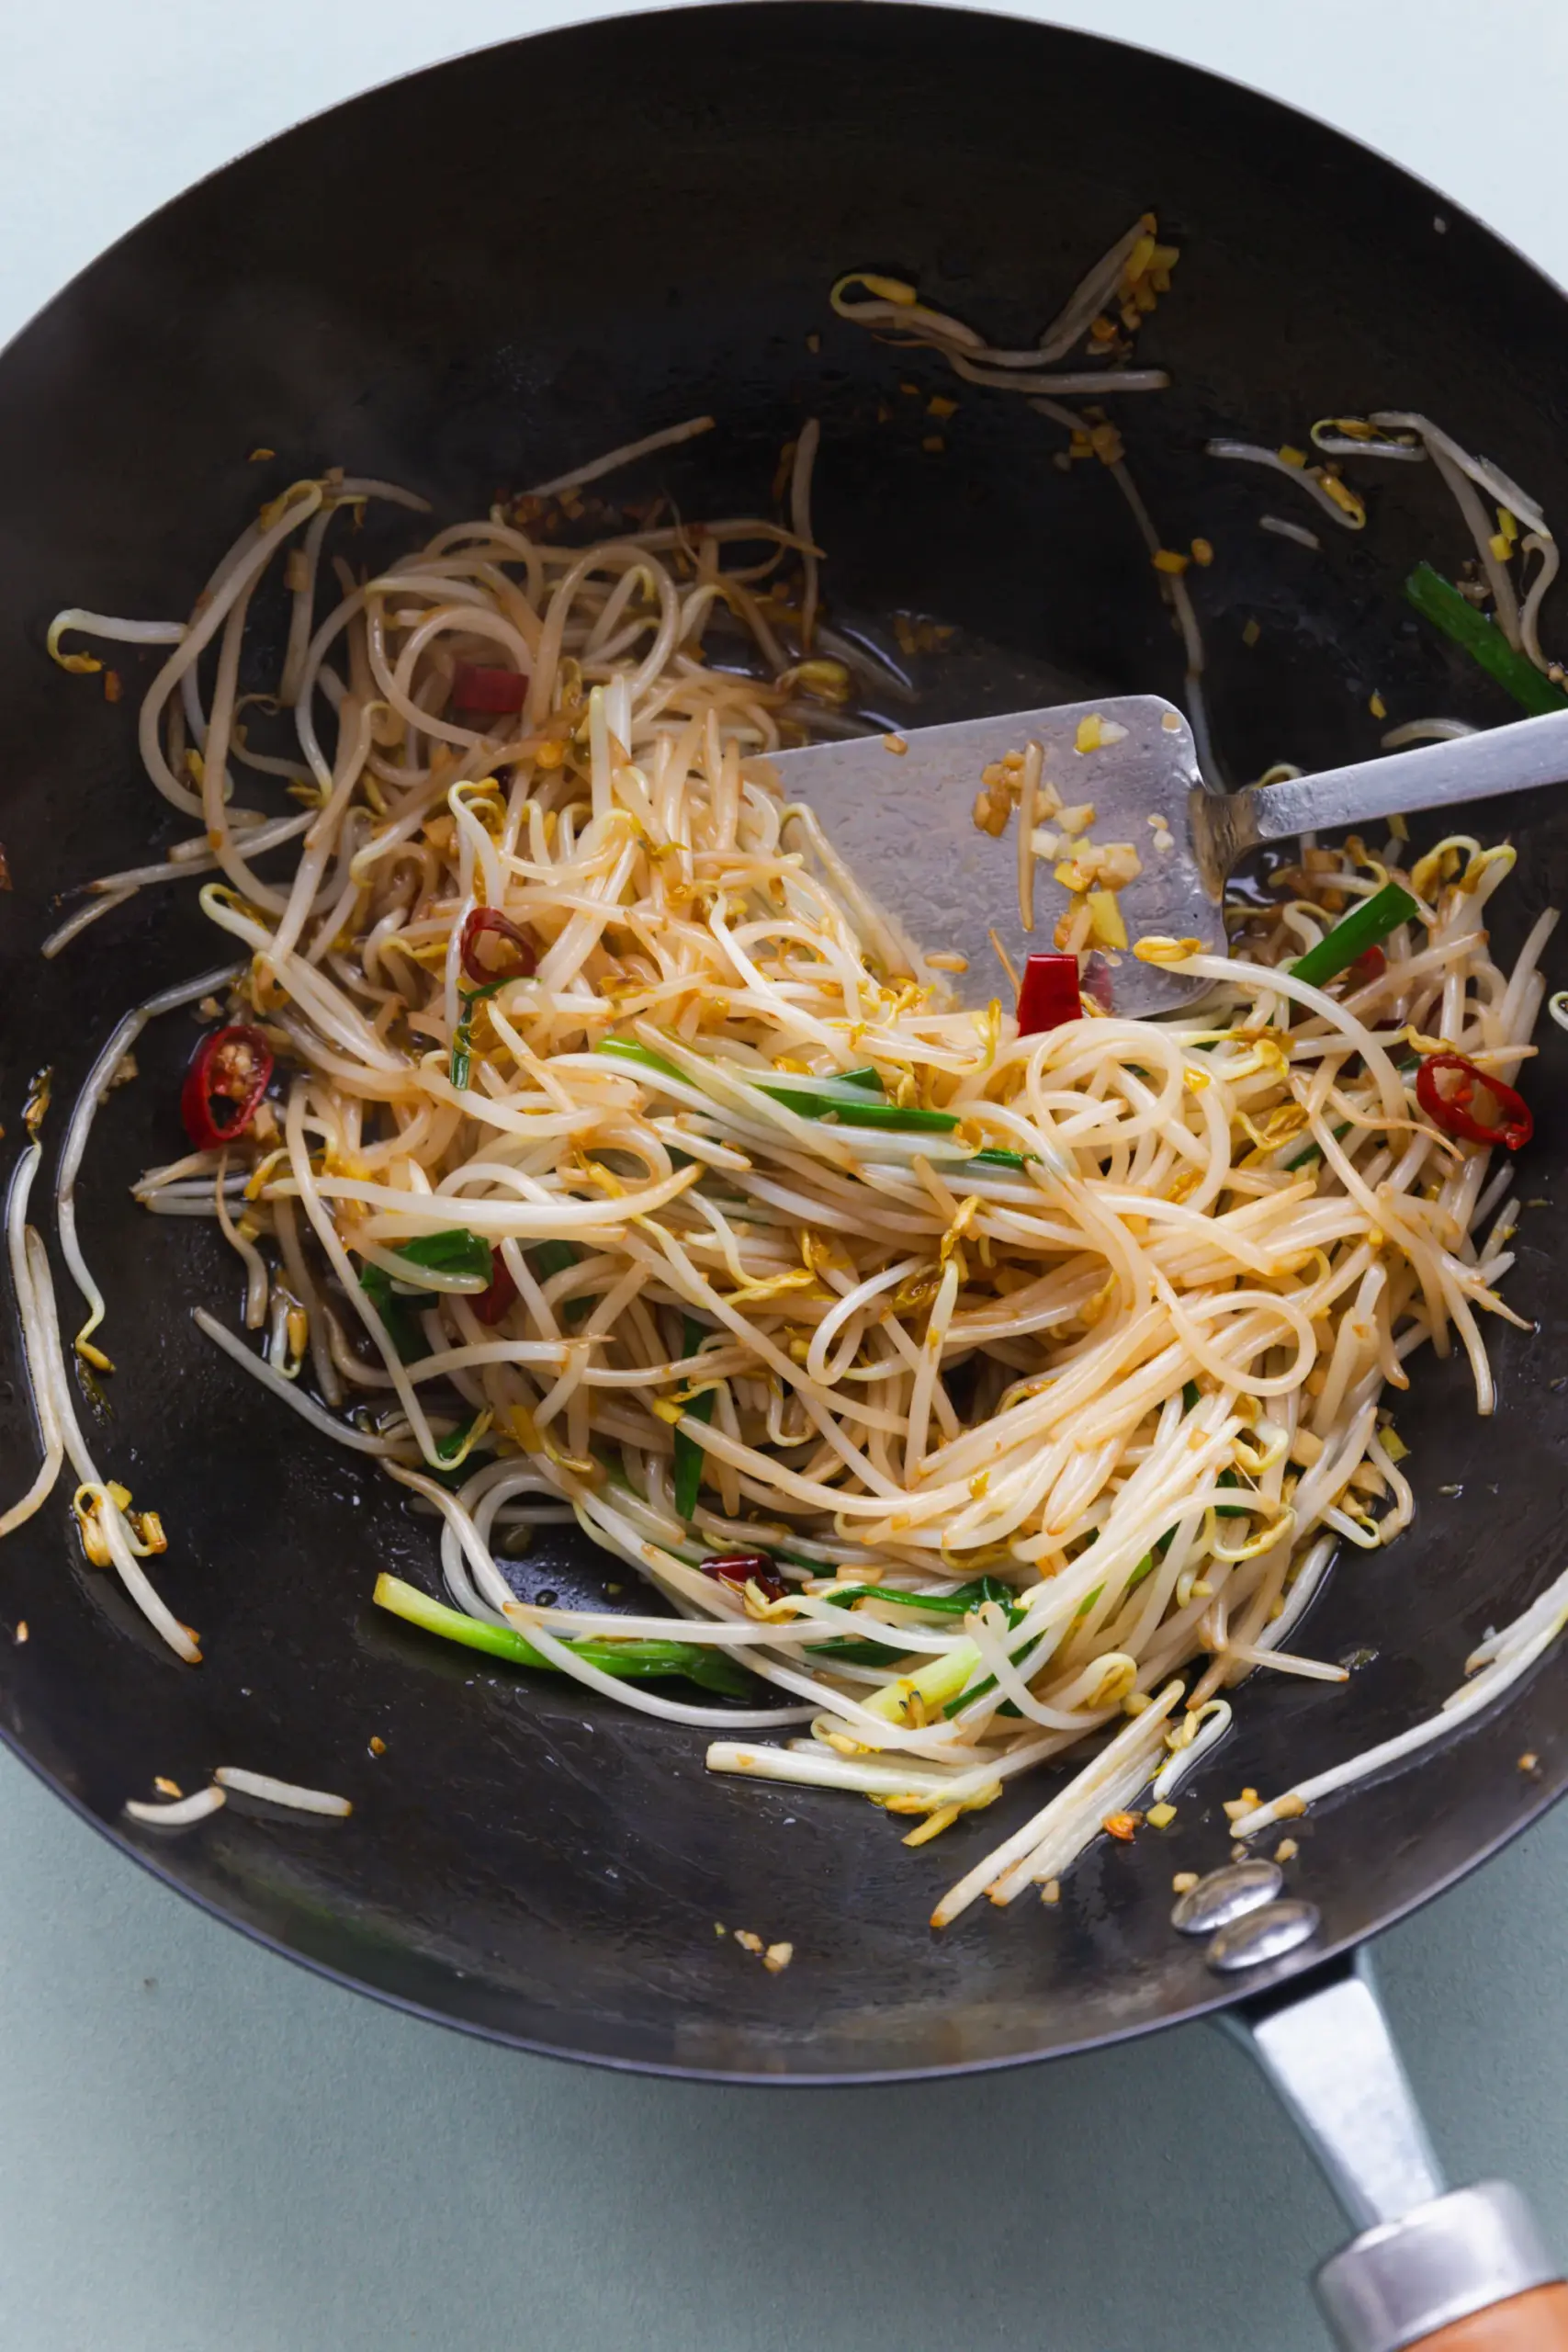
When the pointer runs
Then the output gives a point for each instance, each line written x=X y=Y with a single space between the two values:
x=968 y=1389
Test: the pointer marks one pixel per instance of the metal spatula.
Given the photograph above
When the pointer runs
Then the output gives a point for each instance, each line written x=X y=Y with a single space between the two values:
x=903 y=820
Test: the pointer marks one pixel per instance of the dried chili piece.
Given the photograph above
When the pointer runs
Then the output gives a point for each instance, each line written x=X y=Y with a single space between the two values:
x=739 y=1570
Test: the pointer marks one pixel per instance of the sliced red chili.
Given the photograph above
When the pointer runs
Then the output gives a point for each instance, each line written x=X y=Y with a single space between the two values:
x=1370 y=965
x=1049 y=995
x=516 y=961
x=492 y=1303
x=739 y=1570
x=476 y=688
x=230 y=1074
x=1513 y=1122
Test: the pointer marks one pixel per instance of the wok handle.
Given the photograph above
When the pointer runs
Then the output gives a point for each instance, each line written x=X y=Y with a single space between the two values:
x=1465 y=2273
x=1461 y=2271
x=1537 y=2322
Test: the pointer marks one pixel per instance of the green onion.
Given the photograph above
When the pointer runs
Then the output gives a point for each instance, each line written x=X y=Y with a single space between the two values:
x=870 y=1648
x=1438 y=601
x=980 y=1689
x=973 y=1691
x=450 y=1447
x=405 y=1337
x=547 y=1258
x=627 y=1049
x=990 y=1158
x=1311 y=1150
x=453 y=1250
x=631 y=1661
x=825 y=1097
x=911 y=1120
x=455 y=1454
x=986 y=1683
x=463 y=1035
x=1192 y=1396
x=689 y=1456
x=1371 y=920
x=942 y=1604
x=1229 y=1510
x=854 y=1089
x=847 y=1098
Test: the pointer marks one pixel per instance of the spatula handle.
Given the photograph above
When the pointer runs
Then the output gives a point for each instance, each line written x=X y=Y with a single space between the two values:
x=1472 y=768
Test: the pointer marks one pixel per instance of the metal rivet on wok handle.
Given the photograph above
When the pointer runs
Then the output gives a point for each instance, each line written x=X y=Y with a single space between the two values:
x=1534 y=2322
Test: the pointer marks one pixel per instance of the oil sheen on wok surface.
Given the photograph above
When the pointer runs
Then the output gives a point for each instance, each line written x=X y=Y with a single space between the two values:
x=568 y=1862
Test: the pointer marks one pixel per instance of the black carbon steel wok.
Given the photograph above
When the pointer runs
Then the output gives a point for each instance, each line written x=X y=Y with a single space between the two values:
x=402 y=287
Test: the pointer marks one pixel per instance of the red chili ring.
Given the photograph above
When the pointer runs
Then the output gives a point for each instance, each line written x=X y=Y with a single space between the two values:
x=232 y=1065
x=1049 y=995
x=1451 y=1113
x=484 y=919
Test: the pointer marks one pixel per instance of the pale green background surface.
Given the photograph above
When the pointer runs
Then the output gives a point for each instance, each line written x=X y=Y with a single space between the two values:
x=205 y=2150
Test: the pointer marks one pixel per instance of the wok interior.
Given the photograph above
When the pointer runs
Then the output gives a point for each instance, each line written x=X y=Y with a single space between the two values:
x=523 y=1859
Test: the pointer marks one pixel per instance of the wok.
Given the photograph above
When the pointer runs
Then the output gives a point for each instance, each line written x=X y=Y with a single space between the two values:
x=395 y=286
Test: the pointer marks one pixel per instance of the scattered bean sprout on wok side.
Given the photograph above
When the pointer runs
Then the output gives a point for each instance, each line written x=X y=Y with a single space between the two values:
x=966 y=1396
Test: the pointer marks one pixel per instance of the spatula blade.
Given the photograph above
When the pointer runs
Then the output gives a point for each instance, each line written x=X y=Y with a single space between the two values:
x=903 y=823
